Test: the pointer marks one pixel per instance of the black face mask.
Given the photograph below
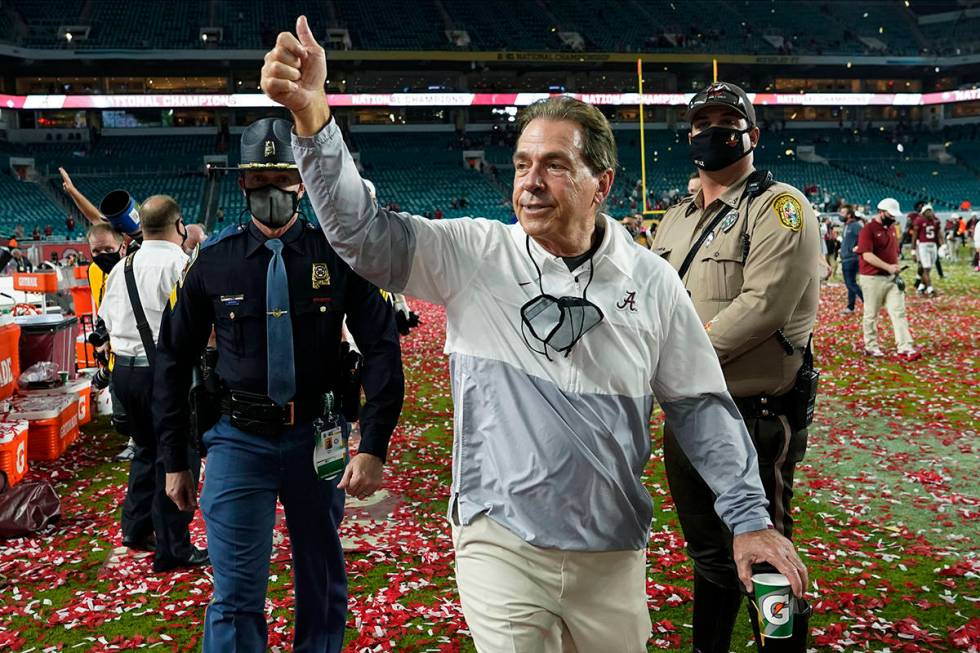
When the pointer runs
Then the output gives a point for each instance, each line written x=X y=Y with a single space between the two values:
x=717 y=148
x=885 y=220
x=106 y=260
x=181 y=232
x=271 y=205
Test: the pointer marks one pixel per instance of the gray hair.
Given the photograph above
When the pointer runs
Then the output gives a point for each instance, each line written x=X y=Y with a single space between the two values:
x=598 y=143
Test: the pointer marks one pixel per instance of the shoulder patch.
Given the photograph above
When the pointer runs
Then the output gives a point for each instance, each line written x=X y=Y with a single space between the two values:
x=789 y=211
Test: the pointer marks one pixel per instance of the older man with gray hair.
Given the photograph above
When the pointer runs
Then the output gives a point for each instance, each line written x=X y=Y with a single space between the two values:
x=561 y=333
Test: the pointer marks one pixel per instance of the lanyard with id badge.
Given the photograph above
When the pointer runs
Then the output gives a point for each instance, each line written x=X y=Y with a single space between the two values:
x=330 y=450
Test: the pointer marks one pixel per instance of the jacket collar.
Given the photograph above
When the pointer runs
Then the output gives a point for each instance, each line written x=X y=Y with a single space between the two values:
x=161 y=246
x=616 y=248
x=256 y=239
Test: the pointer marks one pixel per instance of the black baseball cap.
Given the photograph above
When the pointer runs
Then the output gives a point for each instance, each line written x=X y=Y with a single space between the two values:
x=722 y=94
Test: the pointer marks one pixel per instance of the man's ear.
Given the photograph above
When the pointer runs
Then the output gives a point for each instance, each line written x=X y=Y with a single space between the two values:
x=754 y=136
x=301 y=191
x=605 y=186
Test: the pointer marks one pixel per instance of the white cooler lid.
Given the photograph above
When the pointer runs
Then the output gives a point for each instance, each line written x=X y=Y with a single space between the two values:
x=39 y=320
x=10 y=430
x=42 y=407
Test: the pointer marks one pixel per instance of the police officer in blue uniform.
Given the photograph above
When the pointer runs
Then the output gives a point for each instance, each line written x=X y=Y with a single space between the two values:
x=276 y=294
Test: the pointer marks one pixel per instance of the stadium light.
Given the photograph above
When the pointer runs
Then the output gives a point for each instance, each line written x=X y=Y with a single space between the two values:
x=68 y=36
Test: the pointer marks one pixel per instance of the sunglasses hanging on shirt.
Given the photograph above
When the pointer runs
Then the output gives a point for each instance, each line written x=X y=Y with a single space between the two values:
x=557 y=322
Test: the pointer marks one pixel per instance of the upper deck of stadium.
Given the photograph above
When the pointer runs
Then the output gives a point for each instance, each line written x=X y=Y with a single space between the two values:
x=829 y=27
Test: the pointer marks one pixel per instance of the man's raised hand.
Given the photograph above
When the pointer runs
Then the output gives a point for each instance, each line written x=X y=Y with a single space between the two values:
x=294 y=74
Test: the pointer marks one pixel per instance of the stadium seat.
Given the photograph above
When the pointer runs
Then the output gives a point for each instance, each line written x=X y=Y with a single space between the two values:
x=731 y=27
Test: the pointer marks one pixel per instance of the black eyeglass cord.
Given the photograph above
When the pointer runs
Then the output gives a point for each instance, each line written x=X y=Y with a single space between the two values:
x=527 y=246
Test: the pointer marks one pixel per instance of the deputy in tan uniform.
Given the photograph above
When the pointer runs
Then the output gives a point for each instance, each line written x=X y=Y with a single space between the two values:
x=745 y=248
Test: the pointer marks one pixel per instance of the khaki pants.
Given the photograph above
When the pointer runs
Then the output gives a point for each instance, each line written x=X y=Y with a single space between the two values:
x=878 y=290
x=519 y=598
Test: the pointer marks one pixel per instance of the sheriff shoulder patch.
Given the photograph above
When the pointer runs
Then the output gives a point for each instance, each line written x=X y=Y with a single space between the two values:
x=321 y=275
x=789 y=211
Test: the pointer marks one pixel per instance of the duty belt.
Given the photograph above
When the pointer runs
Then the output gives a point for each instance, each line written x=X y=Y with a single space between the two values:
x=257 y=413
x=764 y=405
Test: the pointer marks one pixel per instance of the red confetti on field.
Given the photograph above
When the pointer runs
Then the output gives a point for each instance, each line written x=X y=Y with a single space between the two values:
x=886 y=507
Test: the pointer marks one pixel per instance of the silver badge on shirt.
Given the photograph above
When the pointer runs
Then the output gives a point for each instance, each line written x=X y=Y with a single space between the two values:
x=729 y=221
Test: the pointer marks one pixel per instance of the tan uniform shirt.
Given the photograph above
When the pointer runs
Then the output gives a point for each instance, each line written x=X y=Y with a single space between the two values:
x=754 y=276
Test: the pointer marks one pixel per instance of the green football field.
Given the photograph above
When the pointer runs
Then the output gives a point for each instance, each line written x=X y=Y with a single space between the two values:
x=887 y=512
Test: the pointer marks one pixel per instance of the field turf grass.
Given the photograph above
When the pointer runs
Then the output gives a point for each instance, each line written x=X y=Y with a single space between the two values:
x=887 y=513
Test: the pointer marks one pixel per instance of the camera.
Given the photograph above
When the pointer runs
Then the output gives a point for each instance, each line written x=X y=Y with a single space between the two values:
x=98 y=338
x=101 y=379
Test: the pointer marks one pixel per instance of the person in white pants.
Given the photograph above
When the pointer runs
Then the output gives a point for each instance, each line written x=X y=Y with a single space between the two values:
x=561 y=334
x=879 y=269
x=928 y=238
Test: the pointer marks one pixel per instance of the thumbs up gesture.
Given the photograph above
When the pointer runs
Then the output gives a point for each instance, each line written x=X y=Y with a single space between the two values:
x=294 y=74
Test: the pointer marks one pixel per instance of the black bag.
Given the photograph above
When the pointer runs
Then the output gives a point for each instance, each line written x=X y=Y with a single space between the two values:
x=27 y=508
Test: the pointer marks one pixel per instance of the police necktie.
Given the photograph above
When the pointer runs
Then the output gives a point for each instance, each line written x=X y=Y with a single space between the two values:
x=281 y=369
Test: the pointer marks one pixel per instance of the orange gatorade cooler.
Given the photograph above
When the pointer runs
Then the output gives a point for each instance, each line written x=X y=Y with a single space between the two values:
x=13 y=452
x=82 y=299
x=53 y=424
x=80 y=389
x=39 y=282
x=84 y=353
x=9 y=358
